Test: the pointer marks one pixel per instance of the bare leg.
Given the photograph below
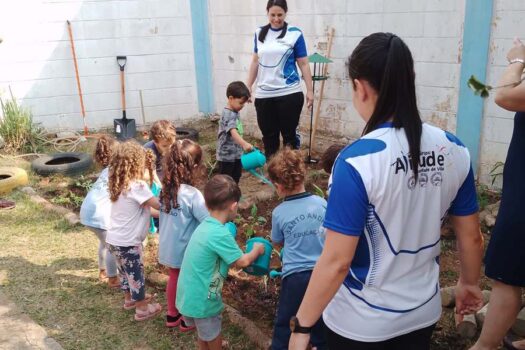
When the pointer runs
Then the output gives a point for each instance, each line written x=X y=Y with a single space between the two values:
x=202 y=344
x=504 y=305
x=215 y=344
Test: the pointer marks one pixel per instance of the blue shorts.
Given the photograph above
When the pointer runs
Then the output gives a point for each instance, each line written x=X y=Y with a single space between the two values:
x=208 y=328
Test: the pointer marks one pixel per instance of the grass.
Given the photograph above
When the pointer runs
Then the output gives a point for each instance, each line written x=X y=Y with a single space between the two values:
x=48 y=268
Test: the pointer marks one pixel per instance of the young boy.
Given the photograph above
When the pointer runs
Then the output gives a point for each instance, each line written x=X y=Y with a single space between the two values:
x=297 y=226
x=210 y=251
x=162 y=135
x=230 y=143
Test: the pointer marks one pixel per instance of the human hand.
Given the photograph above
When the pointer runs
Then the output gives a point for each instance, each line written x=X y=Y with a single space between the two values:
x=517 y=51
x=247 y=147
x=309 y=99
x=299 y=341
x=469 y=298
x=249 y=98
x=259 y=247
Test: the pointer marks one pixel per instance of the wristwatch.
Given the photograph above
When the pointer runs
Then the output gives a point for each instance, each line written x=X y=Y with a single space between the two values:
x=296 y=327
x=516 y=60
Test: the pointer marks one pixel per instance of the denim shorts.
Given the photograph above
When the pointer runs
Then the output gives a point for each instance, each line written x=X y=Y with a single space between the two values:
x=208 y=328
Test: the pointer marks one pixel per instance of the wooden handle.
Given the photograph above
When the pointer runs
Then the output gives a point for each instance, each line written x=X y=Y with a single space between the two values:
x=123 y=88
x=73 y=52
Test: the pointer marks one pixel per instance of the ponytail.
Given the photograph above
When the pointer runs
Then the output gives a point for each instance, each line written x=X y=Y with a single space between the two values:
x=384 y=60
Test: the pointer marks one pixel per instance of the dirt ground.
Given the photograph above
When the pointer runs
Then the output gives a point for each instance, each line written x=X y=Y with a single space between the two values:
x=257 y=297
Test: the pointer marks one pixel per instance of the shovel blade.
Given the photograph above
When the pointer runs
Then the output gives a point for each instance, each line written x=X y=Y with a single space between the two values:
x=124 y=128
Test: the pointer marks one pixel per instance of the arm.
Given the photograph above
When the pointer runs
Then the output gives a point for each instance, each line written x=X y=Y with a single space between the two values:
x=153 y=202
x=470 y=248
x=327 y=277
x=247 y=259
x=304 y=66
x=246 y=146
x=154 y=213
x=512 y=97
x=252 y=71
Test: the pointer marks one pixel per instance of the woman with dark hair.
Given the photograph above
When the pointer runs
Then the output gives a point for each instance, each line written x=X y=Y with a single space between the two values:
x=278 y=49
x=377 y=280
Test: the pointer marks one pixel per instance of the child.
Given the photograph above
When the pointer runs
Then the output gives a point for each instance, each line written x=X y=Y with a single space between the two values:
x=230 y=143
x=163 y=135
x=297 y=225
x=329 y=156
x=95 y=210
x=182 y=210
x=131 y=199
x=210 y=251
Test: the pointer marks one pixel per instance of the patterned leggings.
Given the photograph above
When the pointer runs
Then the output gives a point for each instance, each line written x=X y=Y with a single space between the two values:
x=131 y=270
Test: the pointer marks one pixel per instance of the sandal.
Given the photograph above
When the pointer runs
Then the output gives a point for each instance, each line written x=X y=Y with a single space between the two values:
x=173 y=321
x=183 y=327
x=151 y=311
x=130 y=304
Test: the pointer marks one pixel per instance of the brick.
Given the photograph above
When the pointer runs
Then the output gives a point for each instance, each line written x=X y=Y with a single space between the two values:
x=443 y=24
x=498 y=129
x=359 y=6
x=404 y=24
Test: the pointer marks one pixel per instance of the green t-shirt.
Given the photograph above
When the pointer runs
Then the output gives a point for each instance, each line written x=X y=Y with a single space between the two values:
x=210 y=251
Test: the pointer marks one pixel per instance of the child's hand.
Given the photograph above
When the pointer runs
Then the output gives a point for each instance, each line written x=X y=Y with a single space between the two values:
x=247 y=147
x=259 y=247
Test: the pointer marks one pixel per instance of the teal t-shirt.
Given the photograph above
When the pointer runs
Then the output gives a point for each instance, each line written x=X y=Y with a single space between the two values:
x=210 y=251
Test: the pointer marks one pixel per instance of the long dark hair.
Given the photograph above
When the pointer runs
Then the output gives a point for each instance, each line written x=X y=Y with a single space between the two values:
x=264 y=30
x=385 y=62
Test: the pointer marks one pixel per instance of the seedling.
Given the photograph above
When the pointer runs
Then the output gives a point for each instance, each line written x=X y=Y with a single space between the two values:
x=253 y=221
x=483 y=90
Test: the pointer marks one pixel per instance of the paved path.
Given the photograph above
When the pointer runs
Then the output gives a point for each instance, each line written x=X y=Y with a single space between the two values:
x=18 y=331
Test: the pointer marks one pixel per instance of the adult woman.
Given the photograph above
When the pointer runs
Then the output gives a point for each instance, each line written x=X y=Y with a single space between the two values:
x=278 y=93
x=505 y=258
x=378 y=274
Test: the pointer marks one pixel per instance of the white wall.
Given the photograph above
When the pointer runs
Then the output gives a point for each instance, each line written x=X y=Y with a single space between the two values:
x=155 y=35
x=431 y=28
x=508 y=22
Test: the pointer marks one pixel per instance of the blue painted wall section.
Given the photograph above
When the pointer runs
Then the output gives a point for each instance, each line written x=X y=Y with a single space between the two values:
x=476 y=41
x=202 y=50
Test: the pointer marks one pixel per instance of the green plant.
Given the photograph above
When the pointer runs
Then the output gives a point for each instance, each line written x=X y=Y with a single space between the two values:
x=84 y=183
x=318 y=191
x=496 y=171
x=17 y=127
x=210 y=166
x=253 y=222
x=483 y=197
x=482 y=89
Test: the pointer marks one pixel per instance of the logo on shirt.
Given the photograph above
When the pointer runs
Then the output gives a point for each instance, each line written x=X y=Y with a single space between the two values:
x=428 y=161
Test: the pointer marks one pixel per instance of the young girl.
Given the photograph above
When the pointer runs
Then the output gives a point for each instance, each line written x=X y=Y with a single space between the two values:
x=131 y=199
x=182 y=210
x=95 y=209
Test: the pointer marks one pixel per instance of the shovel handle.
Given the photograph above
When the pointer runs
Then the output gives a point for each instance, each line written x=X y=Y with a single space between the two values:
x=121 y=60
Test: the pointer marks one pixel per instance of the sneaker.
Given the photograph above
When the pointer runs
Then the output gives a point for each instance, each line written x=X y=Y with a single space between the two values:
x=184 y=327
x=173 y=321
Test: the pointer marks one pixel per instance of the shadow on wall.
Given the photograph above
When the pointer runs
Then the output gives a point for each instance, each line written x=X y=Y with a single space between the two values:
x=36 y=60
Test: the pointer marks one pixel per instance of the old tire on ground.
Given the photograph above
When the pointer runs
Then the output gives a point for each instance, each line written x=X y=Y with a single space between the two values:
x=187 y=133
x=67 y=163
x=12 y=177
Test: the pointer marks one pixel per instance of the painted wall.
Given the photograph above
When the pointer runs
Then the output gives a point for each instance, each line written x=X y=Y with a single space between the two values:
x=155 y=35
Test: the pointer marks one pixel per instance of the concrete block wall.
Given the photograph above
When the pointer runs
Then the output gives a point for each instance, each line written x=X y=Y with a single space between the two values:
x=155 y=35
x=431 y=28
x=508 y=22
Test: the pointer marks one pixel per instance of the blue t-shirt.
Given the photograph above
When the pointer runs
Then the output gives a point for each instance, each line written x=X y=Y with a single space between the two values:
x=297 y=223
x=96 y=207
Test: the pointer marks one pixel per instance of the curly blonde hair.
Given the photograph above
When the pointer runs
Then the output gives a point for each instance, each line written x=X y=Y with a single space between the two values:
x=149 y=164
x=287 y=168
x=104 y=149
x=163 y=130
x=127 y=164
x=181 y=163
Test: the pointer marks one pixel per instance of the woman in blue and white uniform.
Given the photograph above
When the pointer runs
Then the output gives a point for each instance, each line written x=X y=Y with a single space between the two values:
x=278 y=50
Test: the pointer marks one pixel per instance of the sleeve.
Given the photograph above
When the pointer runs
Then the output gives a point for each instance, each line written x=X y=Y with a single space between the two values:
x=277 y=233
x=200 y=212
x=230 y=121
x=140 y=192
x=300 y=47
x=225 y=246
x=255 y=48
x=466 y=202
x=348 y=201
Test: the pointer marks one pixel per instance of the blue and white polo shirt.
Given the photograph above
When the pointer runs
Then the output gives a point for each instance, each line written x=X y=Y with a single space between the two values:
x=277 y=73
x=392 y=287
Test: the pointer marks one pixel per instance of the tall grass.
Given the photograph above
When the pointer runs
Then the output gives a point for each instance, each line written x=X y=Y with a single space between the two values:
x=17 y=129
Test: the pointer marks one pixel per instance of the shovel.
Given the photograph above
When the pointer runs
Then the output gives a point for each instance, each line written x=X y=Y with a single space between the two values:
x=124 y=128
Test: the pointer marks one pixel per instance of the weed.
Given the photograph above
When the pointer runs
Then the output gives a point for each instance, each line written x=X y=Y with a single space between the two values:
x=253 y=222
x=496 y=171
x=483 y=197
x=84 y=183
x=318 y=191
x=17 y=128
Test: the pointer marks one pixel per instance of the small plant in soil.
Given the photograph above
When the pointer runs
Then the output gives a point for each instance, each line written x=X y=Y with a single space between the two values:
x=318 y=191
x=496 y=171
x=84 y=183
x=253 y=222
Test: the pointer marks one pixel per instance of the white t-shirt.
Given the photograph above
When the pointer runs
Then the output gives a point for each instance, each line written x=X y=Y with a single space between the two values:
x=96 y=207
x=129 y=221
x=277 y=73
x=392 y=287
x=177 y=226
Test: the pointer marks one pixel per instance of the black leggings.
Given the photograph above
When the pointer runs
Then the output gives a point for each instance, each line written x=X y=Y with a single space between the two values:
x=279 y=115
x=417 y=340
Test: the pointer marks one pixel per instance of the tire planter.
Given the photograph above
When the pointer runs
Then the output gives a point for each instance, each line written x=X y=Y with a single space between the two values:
x=68 y=163
x=12 y=177
x=187 y=133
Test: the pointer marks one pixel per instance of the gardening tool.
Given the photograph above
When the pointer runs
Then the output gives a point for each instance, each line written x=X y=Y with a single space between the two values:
x=320 y=74
x=78 y=78
x=252 y=161
x=232 y=228
x=124 y=128
x=261 y=266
